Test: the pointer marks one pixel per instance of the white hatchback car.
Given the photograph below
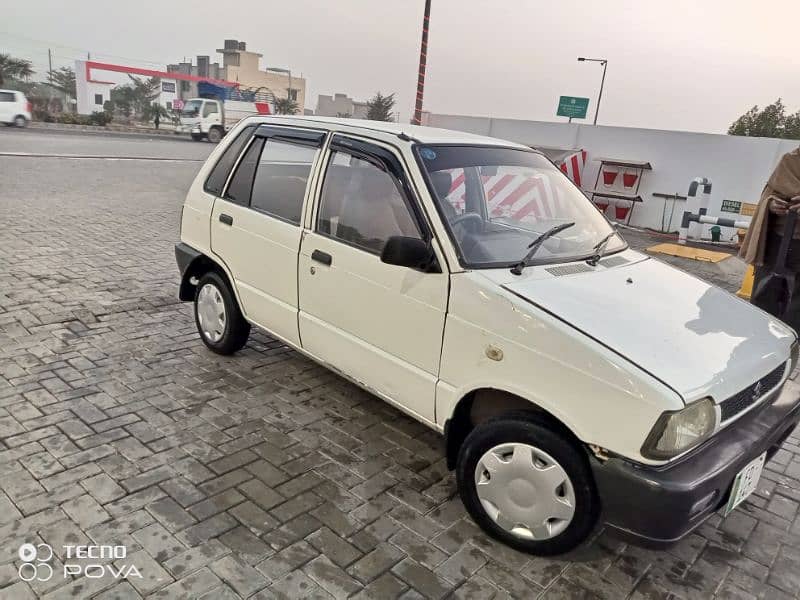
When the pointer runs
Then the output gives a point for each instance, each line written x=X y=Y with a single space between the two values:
x=469 y=283
x=15 y=109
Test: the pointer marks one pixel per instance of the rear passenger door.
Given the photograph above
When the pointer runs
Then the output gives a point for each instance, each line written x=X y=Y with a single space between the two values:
x=256 y=224
x=380 y=324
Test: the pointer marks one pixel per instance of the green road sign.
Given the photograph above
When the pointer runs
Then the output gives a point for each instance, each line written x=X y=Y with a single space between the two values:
x=572 y=107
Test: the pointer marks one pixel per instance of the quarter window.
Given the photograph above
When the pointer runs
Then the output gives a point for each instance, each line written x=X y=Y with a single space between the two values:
x=242 y=181
x=219 y=174
x=363 y=204
x=281 y=178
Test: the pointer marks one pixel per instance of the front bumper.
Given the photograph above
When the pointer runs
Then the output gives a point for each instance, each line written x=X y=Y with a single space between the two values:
x=657 y=506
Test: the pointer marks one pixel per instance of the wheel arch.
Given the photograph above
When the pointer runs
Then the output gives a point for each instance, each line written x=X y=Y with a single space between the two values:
x=482 y=404
x=194 y=269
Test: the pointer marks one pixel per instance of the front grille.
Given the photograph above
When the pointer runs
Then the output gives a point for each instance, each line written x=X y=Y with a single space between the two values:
x=751 y=394
x=568 y=270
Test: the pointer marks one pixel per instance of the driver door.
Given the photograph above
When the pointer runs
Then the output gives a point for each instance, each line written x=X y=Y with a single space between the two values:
x=380 y=324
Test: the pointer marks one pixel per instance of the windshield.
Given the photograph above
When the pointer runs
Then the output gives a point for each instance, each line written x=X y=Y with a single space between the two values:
x=496 y=201
x=191 y=108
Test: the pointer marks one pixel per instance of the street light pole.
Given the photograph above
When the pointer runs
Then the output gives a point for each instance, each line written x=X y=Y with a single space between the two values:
x=603 y=62
x=423 y=57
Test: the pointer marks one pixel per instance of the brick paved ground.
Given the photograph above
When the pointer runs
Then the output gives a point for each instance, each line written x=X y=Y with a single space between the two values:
x=261 y=475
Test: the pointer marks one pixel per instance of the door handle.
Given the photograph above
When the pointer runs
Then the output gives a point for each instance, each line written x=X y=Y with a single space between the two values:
x=322 y=257
x=227 y=219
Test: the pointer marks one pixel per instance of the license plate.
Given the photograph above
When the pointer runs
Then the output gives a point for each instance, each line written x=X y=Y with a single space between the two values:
x=745 y=483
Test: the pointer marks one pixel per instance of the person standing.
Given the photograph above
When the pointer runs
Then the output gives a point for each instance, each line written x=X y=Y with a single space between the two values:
x=763 y=238
x=157 y=118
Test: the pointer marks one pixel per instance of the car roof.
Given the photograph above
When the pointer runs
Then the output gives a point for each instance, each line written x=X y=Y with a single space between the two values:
x=421 y=134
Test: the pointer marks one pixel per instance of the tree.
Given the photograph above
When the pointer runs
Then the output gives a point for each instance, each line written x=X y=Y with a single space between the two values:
x=772 y=122
x=63 y=79
x=286 y=106
x=16 y=68
x=379 y=107
x=136 y=98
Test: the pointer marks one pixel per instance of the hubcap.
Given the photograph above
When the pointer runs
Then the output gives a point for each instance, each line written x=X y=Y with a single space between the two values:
x=211 y=312
x=525 y=491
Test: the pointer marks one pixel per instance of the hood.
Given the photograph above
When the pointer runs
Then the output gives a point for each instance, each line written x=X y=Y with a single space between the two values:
x=693 y=336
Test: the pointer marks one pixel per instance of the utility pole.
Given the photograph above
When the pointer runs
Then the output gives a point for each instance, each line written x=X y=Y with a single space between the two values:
x=600 y=95
x=50 y=66
x=423 y=57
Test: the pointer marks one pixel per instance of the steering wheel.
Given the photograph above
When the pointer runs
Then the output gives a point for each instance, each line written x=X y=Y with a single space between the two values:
x=468 y=217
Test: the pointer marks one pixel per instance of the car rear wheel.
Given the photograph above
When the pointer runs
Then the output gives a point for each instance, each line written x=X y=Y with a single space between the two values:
x=217 y=316
x=214 y=135
x=527 y=486
x=20 y=121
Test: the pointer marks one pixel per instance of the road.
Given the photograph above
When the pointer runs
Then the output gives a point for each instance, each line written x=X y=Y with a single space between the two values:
x=261 y=475
x=101 y=144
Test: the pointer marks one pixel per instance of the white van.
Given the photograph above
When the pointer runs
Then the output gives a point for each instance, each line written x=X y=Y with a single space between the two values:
x=468 y=282
x=14 y=108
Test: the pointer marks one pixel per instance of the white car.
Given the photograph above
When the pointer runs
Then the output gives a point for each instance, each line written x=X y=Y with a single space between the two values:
x=469 y=283
x=14 y=108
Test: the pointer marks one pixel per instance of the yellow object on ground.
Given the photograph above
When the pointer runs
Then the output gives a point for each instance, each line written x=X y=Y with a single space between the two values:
x=747 y=284
x=689 y=252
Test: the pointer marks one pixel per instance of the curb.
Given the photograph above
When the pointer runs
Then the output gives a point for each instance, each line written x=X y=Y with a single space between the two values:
x=99 y=128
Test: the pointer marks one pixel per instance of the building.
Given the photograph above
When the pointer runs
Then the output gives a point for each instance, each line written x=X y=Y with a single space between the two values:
x=340 y=105
x=93 y=92
x=242 y=66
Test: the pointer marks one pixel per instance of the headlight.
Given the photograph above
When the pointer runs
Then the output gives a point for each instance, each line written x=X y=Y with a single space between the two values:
x=676 y=432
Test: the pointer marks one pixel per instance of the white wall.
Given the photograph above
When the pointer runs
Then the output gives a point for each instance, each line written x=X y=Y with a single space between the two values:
x=164 y=96
x=737 y=166
x=86 y=91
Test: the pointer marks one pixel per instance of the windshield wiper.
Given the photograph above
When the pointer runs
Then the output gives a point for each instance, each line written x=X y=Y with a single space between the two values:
x=600 y=249
x=536 y=244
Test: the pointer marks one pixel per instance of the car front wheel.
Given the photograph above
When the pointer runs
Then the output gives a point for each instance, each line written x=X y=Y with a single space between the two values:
x=219 y=321
x=527 y=486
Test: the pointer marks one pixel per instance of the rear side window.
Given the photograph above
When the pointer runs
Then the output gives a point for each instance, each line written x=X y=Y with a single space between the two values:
x=6 y=96
x=242 y=180
x=219 y=174
x=281 y=179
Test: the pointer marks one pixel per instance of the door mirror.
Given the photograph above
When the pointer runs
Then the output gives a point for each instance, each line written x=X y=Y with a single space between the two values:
x=410 y=252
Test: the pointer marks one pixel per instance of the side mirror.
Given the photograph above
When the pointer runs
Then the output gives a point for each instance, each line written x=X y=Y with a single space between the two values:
x=413 y=253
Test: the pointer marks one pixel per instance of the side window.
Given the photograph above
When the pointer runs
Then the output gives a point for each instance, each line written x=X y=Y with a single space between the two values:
x=219 y=174
x=242 y=181
x=209 y=108
x=281 y=179
x=362 y=203
x=6 y=97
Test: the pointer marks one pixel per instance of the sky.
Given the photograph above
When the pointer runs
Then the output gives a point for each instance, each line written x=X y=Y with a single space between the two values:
x=691 y=65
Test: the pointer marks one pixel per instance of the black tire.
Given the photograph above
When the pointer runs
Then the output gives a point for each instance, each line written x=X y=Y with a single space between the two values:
x=527 y=429
x=236 y=329
x=214 y=135
x=197 y=137
x=20 y=121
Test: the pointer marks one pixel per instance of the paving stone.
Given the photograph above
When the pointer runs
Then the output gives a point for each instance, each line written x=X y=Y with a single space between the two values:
x=85 y=511
x=246 y=545
x=425 y=581
x=243 y=578
x=331 y=578
x=195 y=558
x=170 y=514
x=153 y=575
x=103 y=488
x=376 y=562
x=293 y=585
x=287 y=560
x=385 y=586
x=190 y=587
x=205 y=530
